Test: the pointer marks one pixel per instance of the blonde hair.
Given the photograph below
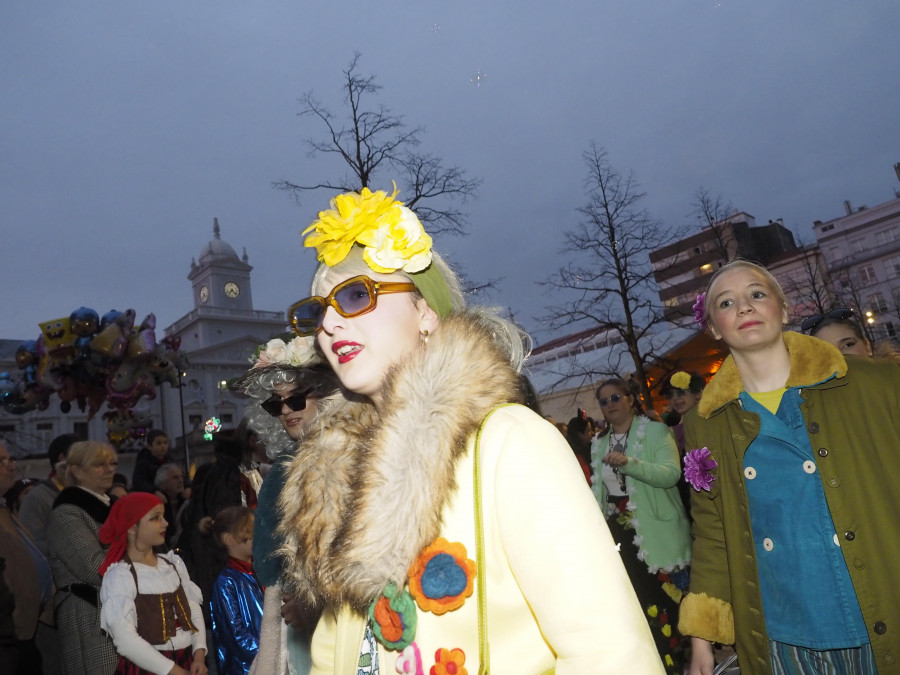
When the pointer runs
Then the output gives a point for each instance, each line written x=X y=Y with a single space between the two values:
x=739 y=263
x=83 y=454
x=512 y=340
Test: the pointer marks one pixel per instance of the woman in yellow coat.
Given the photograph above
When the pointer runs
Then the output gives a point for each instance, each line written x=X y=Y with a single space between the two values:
x=440 y=526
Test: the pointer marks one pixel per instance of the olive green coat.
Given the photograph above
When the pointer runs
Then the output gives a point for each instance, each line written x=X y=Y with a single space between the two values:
x=853 y=423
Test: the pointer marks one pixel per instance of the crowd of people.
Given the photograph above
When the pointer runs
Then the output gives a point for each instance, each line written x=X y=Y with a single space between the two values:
x=394 y=501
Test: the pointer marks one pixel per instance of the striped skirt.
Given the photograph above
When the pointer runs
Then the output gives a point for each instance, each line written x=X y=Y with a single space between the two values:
x=791 y=660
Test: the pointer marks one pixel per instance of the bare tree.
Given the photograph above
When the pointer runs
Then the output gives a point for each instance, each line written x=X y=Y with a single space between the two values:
x=713 y=213
x=374 y=144
x=852 y=295
x=608 y=269
x=810 y=287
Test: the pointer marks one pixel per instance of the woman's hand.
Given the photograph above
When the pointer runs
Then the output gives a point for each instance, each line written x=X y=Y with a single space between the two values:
x=198 y=664
x=702 y=660
x=177 y=670
x=295 y=613
x=615 y=459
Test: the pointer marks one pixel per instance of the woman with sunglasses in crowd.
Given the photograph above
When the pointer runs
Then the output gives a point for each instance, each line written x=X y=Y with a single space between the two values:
x=840 y=327
x=288 y=383
x=794 y=465
x=636 y=475
x=437 y=524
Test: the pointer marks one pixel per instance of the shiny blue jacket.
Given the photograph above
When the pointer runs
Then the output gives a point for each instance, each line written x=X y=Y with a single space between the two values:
x=237 y=607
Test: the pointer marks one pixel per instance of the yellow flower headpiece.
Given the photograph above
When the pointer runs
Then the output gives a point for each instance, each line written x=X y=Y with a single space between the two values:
x=392 y=238
x=391 y=234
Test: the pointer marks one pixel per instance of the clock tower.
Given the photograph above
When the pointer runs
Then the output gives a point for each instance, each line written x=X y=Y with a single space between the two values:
x=221 y=279
x=218 y=336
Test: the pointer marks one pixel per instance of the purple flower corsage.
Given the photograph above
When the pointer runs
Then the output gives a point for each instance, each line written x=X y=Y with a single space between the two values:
x=698 y=466
x=699 y=308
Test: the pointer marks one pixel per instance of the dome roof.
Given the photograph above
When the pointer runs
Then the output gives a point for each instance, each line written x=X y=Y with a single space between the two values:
x=216 y=249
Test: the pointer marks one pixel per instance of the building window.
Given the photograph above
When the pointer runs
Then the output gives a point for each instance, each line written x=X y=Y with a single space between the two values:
x=867 y=274
x=877 y=303
x=889 y=329
x=886 y=236
x=828 y=228
x=195 y=421
x=858 y=245
x=893 y=266
x=227 y=419
x=80 y=429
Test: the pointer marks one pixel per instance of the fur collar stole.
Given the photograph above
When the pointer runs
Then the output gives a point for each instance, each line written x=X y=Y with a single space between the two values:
x=366 y=489
x=812 y=361
x=84 y=500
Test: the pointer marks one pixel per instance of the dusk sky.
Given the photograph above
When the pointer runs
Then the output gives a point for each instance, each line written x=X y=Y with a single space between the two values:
x=127 y=127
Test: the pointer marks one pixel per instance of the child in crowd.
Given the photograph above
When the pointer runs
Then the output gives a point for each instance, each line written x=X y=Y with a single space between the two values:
x=237 y=599
x=150 y=607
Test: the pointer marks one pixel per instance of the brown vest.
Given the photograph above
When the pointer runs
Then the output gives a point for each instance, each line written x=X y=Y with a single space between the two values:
x=159 y=615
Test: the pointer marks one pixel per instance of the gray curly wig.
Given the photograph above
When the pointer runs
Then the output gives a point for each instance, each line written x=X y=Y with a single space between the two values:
x=259 y=383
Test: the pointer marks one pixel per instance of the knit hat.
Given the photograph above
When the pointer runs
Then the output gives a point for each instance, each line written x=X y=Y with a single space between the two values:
x=125 y=512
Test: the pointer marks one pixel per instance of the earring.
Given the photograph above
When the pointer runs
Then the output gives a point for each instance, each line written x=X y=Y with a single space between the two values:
x=424 y=335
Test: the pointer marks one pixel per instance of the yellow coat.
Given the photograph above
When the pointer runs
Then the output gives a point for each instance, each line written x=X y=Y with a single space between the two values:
x=557 y=593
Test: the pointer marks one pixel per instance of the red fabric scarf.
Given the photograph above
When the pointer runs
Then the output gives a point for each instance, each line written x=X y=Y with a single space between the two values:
x=127 y=511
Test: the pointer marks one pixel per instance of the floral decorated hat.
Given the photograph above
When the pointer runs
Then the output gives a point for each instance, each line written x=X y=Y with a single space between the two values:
x=390 y=235
x=284 y=358
x=286 y=352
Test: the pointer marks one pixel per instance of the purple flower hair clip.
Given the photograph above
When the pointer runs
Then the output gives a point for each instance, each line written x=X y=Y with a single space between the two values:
x=698 y=466
x=700 y=308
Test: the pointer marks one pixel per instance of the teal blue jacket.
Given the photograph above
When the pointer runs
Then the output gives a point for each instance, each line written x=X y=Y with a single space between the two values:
x=853 y=424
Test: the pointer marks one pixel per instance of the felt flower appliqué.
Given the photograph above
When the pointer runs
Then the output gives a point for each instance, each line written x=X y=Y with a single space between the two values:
x=449 y=662
x=442 y=577
x=699 y=308
x=698 y=466
x=394 y=618
x=410 y=661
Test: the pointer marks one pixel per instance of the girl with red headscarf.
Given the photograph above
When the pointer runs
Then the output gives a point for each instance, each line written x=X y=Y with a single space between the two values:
x=150 y=606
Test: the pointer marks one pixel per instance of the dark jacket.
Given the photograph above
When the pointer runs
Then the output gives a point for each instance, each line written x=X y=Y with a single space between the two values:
x=853 y=424
x=145 y=467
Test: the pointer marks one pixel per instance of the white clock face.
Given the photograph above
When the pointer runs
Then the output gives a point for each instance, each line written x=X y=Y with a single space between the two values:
x=204 y=294
x=232 y=290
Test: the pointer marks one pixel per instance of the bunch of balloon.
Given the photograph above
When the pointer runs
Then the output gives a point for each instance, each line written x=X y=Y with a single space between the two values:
x=90 y=360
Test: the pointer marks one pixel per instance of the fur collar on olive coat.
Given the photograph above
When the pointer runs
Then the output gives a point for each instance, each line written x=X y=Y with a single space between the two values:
x=365 y=492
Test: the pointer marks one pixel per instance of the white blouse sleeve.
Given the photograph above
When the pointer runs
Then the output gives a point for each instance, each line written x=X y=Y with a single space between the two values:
x=195 y=600
x=118 y=617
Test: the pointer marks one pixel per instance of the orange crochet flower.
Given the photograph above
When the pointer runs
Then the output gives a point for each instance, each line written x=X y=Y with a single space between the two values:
x=449 y=662
x=442 y=577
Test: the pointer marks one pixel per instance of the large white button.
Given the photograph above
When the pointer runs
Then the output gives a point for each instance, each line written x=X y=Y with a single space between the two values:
x=750 y=473
x=837 y=542
x=768 y=544
x=809 y=466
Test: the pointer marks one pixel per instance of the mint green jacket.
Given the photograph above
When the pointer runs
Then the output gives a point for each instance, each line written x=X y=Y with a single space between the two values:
x=662 y=529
